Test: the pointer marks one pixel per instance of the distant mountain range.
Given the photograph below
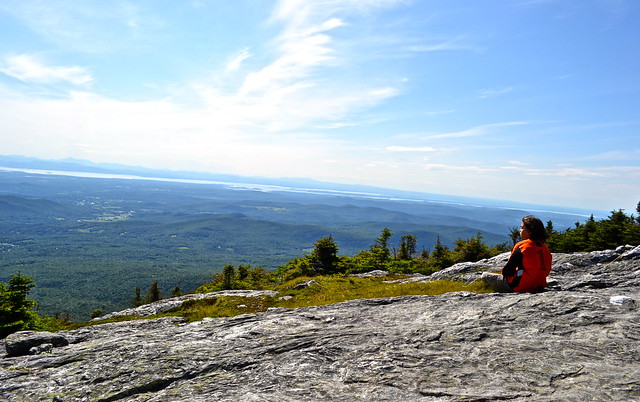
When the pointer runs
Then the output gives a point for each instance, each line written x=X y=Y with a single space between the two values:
x=72 y=165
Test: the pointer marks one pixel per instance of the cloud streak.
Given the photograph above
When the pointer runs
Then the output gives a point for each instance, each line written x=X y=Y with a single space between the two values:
x=236 y=62
x=493 y=92
x=29 y=68
x=477 y=130
x=398 y=148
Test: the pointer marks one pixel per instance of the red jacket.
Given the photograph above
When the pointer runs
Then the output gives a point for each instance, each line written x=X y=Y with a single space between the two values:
x=528 y=266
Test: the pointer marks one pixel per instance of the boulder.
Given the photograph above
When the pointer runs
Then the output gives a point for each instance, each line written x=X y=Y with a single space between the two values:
x=32 y=342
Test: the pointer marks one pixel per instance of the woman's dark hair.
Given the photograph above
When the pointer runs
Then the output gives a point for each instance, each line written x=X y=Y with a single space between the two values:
x=536 y=229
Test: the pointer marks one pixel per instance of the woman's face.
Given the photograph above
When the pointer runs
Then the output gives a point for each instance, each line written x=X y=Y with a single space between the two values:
x=524 y=233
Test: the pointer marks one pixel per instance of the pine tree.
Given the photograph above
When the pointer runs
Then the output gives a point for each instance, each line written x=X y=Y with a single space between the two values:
x=325 y=256
x=176 y=292
x=137 y=298
x=381 y=248
x=153 y=294
x=243 y=272
x=472 y=249
x=514 y=234
x=407 y=247
x=441 y=256
x=228 y=276
x=16 y=310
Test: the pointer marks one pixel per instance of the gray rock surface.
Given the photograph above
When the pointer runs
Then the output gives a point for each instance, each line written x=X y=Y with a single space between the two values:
x=167 y=304
x=27 y=342
x=580 y=340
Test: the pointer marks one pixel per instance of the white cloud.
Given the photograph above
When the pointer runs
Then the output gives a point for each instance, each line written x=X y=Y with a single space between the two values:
x=398 y=148
x=477 y=130
x=577 y=173
x=438 y=112
x=236 y=62
x=617 y=155
x=493 y=92
x=574 y=173
x=518 y=163
x=303 y=84
x=456 y=43
x=29 y=68
x=458 y=168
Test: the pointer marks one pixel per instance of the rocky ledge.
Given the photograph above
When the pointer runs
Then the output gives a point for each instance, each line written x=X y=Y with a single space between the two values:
x=579 y=340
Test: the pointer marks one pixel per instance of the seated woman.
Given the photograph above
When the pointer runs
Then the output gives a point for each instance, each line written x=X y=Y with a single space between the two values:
x=529 y=263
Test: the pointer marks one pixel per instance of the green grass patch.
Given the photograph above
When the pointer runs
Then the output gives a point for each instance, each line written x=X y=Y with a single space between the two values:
x=327 y=290
x=335 y=289
x=223 y=306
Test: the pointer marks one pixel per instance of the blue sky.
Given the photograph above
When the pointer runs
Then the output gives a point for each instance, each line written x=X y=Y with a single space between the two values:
x=525 y=100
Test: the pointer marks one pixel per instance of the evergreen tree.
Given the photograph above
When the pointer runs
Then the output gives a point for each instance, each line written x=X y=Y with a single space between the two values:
x=228 y=277
x=472 y=249
x=137 y=298
x=176 y=292
x=441 y=256
x=324 y=258
x=381 y=248
x=16 y=310
x=514 y=234
x=407 y=247
x=153 y=294
x=618 y=229
x=243 y=272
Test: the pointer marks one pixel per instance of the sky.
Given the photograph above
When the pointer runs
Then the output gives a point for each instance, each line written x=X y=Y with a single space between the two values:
x=535 y=101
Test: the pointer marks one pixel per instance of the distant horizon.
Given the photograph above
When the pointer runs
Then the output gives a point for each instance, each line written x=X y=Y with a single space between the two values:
x=534 y=101
x=340 y=189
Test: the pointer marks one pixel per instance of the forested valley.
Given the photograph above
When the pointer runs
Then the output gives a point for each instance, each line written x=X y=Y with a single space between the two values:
x=88 y=243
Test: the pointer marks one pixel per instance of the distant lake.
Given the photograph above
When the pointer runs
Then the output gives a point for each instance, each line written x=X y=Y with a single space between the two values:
x=428 y=198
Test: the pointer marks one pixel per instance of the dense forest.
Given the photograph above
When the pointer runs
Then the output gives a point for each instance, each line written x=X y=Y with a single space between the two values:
x=17 y=310
x=87 y=242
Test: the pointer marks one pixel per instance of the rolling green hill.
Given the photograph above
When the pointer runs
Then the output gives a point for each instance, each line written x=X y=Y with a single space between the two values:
x=88 y=242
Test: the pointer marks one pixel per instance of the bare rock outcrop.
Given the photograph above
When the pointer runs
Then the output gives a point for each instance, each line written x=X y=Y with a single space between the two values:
x=580 y=340
x=167 y=304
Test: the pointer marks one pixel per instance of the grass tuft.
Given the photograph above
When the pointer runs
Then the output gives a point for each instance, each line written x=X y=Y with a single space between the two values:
x=327 y=290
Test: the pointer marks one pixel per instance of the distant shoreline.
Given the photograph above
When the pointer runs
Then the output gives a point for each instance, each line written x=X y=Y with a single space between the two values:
x=280 y=188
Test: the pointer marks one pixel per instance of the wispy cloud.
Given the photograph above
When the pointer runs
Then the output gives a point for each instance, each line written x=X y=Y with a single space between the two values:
x=457 y=168
x=29 y=68
x=303 y=82
x=617 y=155
x=457 y=43
x=477 y=130
x=578 y=173
x=493 y=92
x=438 y=112
x=398 y=148
x=236 y=62
x=224 y=126
x=518 y=163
